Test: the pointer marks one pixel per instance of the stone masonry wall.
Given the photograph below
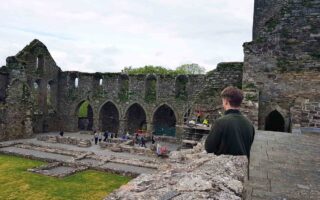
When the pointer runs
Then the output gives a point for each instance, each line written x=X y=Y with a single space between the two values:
x=310 y=114
x=71 y=96
x=30 y=103
x=51 y=98
x=283 y=61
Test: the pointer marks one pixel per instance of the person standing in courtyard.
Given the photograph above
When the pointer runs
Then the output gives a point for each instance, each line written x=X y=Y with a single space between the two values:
x=96 y=137
x=231 y=134
x=105 y=134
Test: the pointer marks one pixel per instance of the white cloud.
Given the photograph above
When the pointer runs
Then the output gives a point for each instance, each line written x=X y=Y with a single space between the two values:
x=99 y=35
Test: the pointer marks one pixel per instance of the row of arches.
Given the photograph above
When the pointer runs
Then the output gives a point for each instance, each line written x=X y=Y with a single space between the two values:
x=164 y=118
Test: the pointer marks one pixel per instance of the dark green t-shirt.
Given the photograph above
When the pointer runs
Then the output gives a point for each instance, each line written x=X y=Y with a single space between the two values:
x=231 y=134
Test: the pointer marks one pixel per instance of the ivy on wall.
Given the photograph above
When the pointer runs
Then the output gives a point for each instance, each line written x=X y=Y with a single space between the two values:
x=151 y=93
x=181 y=89
x=124 y=90
x=83 y=110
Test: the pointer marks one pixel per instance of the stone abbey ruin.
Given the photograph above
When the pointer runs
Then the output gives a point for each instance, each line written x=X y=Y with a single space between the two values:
x=280 y=74
x=280 y=77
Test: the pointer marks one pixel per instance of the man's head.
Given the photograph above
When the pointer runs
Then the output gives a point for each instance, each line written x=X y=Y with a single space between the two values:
x=231 y=98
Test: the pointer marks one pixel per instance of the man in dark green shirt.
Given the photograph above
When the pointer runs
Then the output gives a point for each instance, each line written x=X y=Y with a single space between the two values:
x=233 y=133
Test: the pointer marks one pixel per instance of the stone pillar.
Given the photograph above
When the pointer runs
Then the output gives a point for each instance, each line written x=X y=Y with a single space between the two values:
x=122 y=126
x=180 y=130
x=96 y=123
x=149 y=128
x=250 y=105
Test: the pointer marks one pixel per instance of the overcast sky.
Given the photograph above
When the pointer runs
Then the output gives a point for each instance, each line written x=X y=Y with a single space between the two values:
x=107 y=35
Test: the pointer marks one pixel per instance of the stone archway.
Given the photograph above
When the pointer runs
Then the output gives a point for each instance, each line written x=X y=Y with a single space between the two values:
x=275 y=122
x=109 y=118
x=164 y=121
x=85 y=115
x=136 y=118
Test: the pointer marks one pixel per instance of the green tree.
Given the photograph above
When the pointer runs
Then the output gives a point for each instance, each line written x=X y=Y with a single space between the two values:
x=191 y=69
x=148 y=69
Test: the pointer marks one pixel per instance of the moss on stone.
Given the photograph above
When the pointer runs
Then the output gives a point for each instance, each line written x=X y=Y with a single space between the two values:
x=83 y=110
x=315 y=55
x=282 y=65
x=249 y=86
x=230 y=66
x=251 y=97
x=271 y=24
x=307 y=3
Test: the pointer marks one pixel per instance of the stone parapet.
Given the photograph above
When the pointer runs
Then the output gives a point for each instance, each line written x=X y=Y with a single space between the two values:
x=190 y=175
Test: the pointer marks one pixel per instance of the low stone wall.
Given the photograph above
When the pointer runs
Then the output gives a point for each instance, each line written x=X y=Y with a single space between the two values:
x=190 y=175
x=65 y=140
x=126 y=147
x=166 y=139
x=48 y=169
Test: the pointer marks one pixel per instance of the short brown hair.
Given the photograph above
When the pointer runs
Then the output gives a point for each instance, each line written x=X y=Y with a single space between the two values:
x=233 y=95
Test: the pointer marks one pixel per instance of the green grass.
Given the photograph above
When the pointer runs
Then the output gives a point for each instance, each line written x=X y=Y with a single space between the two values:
x=17 y=183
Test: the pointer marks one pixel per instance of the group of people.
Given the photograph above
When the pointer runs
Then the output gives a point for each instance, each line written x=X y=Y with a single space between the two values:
x=140 y=140
x=105 y=136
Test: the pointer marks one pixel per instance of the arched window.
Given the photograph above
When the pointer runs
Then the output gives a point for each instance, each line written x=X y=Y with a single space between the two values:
x=36 y=86
x=151 y=89
x=76 y=82
x=49 y=97
x=40 y=63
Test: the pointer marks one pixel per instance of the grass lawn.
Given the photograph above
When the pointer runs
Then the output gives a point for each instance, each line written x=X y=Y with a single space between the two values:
x=17 y=183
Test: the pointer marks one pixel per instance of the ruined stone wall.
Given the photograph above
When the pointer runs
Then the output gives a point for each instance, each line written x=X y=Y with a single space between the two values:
x=110 y=91
x=42 y=79
x=283 y=61
x=38 y=97
x=28 y=106
x=263 y=10
x=208 y=100
x=306 y=114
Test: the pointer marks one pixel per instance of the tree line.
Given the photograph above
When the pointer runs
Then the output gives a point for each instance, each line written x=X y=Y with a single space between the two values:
x=150 y=69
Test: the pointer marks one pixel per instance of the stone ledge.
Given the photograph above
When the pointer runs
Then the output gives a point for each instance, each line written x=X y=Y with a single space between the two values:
x=64 y=140
x=190 y=175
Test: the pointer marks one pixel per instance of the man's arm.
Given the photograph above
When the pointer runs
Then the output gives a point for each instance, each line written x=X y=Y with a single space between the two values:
x=214 y=139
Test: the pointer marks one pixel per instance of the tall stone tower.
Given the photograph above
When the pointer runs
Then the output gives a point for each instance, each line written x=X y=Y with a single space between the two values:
x=283 y=63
